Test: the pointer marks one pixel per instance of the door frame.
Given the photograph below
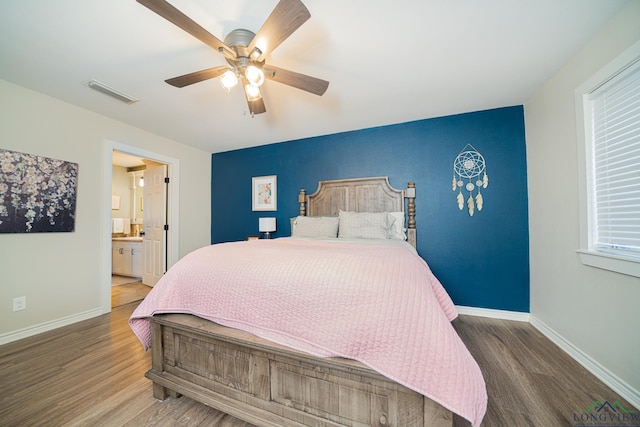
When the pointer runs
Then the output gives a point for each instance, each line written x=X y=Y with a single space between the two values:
x=173 y=211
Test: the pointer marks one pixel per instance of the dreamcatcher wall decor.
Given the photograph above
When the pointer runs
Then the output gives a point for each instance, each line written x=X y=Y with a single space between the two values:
x=469 y=165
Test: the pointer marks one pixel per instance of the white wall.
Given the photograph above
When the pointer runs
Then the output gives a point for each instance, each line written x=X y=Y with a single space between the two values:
x=63 y=274
x=596 y=311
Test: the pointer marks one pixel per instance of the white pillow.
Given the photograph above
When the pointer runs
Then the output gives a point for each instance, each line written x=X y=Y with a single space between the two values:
x=364 y=225
x=315 y=226
x=397 y=226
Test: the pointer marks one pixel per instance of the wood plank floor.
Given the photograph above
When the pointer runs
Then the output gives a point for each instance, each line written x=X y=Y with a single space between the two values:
x=92 y=374
x=127 y=293
x=530 y=381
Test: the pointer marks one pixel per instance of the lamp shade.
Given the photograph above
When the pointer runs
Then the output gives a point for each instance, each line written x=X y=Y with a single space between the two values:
x=411 y=192
x=266 y=225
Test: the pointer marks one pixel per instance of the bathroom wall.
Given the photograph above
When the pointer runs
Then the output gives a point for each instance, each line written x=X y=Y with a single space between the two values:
x=121 y=186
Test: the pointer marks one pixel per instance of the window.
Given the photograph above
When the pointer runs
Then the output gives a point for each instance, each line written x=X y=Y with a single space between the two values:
x=614 y=110
x=610 y=105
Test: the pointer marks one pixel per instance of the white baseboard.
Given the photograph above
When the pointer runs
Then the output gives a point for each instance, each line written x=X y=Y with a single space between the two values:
x=630 y=394
x=48 y=326
x=494 y=314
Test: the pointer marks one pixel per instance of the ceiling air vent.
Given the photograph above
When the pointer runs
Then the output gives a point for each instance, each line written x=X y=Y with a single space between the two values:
x=116 y=94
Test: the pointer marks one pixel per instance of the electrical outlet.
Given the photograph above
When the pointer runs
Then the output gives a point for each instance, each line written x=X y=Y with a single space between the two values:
x=19 y=303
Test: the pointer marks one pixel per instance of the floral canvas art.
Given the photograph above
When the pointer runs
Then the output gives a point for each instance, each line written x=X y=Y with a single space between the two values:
x=37 y=194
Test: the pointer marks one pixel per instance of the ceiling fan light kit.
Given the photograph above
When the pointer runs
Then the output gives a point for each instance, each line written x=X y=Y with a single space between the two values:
x=255 y=75
x=253 y=92
x=245 y=52
x=228 y=80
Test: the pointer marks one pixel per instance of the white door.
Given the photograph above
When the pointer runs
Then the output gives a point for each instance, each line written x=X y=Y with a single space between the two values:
x=154 y=220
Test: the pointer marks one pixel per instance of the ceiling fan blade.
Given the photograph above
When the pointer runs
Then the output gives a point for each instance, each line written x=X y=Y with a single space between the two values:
x=257 y=107
x=286 y=18
x=173 y=15
x=297 y=80
x=198 y=76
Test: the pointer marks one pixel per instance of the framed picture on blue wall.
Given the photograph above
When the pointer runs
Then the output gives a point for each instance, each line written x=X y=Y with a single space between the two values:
x=264 y=193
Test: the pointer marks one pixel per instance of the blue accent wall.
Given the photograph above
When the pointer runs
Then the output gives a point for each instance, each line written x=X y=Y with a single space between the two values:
x=482 y=261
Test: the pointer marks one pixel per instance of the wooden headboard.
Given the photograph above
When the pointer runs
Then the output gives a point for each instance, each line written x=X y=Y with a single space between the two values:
x=360 y=195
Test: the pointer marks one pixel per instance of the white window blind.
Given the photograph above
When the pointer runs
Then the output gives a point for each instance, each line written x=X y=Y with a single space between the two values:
x=615 y=118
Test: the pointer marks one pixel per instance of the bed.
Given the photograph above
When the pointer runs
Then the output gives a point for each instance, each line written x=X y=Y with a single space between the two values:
x=296 y=342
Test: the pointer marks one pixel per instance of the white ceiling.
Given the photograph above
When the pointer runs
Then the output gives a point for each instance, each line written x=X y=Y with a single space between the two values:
x=387 y=62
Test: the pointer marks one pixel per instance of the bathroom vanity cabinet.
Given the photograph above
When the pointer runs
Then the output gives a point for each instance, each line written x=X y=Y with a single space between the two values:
x=127 y=257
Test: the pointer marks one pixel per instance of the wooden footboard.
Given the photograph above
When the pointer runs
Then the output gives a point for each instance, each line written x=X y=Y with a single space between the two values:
x=271 y=385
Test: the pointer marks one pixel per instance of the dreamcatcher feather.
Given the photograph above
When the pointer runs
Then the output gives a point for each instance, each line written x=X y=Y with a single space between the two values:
x=479 y=200
x=469 y=165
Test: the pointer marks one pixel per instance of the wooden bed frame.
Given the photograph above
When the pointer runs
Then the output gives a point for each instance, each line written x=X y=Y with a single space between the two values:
x=272 y=385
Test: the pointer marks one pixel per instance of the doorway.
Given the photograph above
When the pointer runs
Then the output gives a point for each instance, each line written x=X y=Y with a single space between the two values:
x=163 y=201
x=128 y=260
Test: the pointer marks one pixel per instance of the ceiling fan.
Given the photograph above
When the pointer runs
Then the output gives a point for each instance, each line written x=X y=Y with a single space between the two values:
x=245 y=52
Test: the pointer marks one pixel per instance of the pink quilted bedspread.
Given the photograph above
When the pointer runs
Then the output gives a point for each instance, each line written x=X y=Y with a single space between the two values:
x=377 y=304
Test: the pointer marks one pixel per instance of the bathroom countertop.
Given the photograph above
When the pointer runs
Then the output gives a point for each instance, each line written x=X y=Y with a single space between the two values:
x=126 y=239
